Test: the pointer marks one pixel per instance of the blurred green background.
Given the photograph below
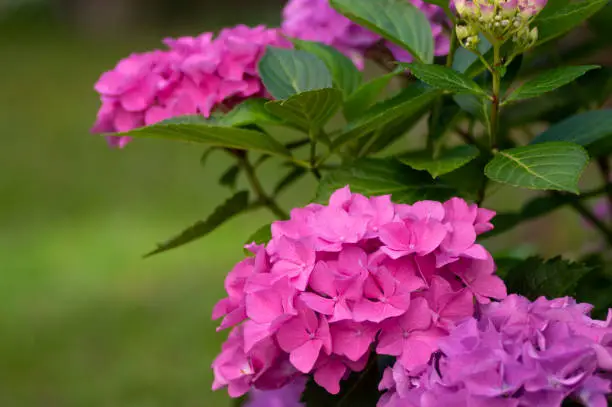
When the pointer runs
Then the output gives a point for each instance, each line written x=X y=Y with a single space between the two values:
x=84 y=320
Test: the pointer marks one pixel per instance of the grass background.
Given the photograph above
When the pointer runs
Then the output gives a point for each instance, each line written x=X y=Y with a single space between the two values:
x=84 y=320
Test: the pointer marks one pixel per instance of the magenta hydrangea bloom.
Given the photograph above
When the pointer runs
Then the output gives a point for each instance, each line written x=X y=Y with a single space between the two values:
x=193 y=76
x=338 y=282
x=316 y=20
x=516 y=354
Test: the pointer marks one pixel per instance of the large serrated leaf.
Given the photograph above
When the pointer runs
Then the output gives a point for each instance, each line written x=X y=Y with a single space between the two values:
x=554 y=278
x=396 y=20
x=308 y=110
x=584 y=129
x=562 y=20
x=230 y=208
x=345 y=74
x=370 y=176
x=549 y=81
x=249 y=112
x=443 y=78
x=286 y=72
x=551 y=166
x=446 y=162
x=366 y=95
x=213 y=135
x=409 y=101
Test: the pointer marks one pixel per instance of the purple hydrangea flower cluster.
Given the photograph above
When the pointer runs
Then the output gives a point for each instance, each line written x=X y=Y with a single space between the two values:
x=516 y=354
x=316 y=20
x=338 y=280
x=195 y=75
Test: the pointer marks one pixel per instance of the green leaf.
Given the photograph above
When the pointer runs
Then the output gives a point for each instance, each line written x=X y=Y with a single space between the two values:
x=446 y=162
x=389 y=133
x=249 y=112
x=229 y=177
x=366 y=95
x=467 y=180
x=286 y=72
x=261 y=236
x=552 y=6
x=475 y=106
x=554 y=165
x=554 y=278
x=584 y=129
x=230 y=208
x=294 y=175
x=511 y=73
x=219 y=136
x=345 y=74
x=441 y=77
x=549 y=81
x=370 y=176
x=552 y=25
x=360 y=389
x=468 y=62
x=308 y=110
x=448 y=116
x=594 y=288
x=410 y=100
x=396 y=20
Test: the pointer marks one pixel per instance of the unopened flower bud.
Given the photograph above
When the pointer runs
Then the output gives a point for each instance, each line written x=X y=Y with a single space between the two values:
x=463 y=32
x=509 y=8
x=487 y=11
x=533 y=36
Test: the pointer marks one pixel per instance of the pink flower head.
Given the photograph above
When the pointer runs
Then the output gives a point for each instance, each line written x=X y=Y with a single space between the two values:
x=358 y=276
x=193 y=76
x=494 y=362
x=316 y=20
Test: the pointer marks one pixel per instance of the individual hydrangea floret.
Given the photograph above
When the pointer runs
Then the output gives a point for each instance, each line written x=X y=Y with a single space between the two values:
x=193 y=76
x=338 y=282
x=516 y=354
x=316 y=20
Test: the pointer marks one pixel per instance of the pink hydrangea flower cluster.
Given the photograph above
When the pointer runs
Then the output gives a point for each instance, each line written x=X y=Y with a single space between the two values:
x=339 y=281
x=517 y=353
x=316 y=20
x=195 y=75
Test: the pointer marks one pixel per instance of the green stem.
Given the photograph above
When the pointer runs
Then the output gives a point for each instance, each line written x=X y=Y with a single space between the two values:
x=264 y=198
x=495 y=97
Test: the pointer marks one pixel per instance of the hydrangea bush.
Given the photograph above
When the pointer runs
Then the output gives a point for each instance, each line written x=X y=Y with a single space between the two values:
x=380 y=291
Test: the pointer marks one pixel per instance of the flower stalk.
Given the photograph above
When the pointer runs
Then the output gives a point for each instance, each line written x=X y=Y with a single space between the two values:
x=262 y=196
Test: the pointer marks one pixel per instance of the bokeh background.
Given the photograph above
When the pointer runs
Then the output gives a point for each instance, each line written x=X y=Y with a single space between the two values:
x=84 y=320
